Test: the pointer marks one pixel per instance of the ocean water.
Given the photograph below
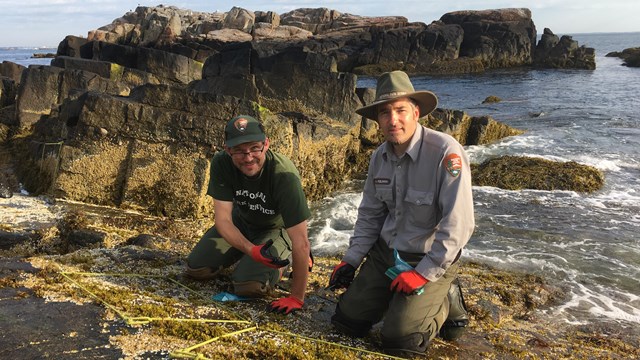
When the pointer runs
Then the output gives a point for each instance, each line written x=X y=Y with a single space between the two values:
x=24 y=55
x=587 y=243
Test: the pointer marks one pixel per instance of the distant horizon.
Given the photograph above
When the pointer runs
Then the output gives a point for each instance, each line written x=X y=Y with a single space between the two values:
x=44 y=23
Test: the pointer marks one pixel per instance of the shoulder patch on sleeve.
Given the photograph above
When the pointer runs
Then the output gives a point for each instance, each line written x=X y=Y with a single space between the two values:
x=453 y=164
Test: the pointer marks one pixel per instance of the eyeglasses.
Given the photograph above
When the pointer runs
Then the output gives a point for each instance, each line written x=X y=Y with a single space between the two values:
x=254 y=152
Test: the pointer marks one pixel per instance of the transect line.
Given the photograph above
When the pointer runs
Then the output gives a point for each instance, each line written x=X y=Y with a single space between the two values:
x=139 y=320
x=188 y=353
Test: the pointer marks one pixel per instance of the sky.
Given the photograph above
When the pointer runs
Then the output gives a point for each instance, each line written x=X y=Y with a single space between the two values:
x=44 y=23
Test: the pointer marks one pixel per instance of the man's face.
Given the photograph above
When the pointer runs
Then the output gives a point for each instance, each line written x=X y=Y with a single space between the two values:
x=398 y=120
x=249 y=157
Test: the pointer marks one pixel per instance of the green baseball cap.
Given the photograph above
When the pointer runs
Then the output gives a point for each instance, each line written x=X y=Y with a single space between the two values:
x=243 y=129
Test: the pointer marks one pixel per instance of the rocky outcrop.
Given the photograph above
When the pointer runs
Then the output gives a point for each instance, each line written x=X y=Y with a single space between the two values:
x=460 y=42
x=561 y=53
x=631 y=56
x=308 y=78
x=133 y=124
x=10 y=75
x=517 y=173
x=167 y=66
x=149 y=150
x=43 y=88
x=499 y=38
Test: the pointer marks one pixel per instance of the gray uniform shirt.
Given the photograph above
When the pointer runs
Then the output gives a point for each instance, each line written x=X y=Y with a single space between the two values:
x=420 y=203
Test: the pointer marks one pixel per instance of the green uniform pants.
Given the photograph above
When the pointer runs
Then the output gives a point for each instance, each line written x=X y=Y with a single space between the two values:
x=368 y=299
x=214 y=252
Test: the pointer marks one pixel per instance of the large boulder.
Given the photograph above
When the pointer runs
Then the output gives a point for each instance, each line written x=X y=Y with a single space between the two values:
x=44 y=87
x=631 y=56
x=469 y=130
x=7 y=91
x=500 y=38
x=239 y=19
x=416 y=49
x=108 y=70
x=169 y=66
x=564 y=52
x=278 y=81
x=11 y=70
x=74 y=46
x=267 y=17
x=265 y=31
x=314 y=20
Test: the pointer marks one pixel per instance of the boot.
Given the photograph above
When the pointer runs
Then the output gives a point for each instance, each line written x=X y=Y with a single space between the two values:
x=458 y=317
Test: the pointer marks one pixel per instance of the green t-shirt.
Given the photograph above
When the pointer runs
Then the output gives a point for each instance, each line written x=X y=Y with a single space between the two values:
x=272 y=200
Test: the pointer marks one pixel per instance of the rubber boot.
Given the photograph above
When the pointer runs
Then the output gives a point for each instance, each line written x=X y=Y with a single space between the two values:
x=458 y=317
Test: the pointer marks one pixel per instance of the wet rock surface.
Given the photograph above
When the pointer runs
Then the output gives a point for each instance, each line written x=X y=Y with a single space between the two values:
x=109 y=302
x=34 y=327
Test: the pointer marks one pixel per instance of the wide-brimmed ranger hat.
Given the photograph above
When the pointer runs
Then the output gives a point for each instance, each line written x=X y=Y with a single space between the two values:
x=394 y=85
x=243 y=129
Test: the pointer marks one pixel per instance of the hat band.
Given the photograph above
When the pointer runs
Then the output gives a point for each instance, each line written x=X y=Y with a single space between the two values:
x=391 y=94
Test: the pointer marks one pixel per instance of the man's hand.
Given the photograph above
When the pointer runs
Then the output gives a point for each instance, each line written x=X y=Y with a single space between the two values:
x=408 y=282
x=342 y=276
x=260 y=253
x=286 y=305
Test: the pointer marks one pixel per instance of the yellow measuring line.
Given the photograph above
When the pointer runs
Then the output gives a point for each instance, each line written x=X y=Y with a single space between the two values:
x=139 y=320
x=188 y=352
x=334 y=344
x=200 y=294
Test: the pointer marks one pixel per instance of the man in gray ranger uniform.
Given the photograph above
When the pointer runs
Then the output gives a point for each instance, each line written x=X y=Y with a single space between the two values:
x=415 y=217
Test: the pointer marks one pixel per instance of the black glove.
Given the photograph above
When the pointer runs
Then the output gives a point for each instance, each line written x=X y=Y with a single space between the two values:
x=342 y=276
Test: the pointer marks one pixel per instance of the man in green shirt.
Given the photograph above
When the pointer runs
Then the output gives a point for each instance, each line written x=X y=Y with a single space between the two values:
x=261 y=218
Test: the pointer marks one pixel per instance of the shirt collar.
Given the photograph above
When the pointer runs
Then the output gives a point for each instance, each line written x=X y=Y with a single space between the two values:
x=414 y=146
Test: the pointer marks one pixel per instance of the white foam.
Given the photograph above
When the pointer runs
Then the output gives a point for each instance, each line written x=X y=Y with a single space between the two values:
x=330 y=241
x=615 y=305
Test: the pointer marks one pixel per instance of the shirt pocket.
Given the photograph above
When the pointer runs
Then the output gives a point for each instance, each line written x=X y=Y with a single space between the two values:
x=421 y=208
x=385 y=194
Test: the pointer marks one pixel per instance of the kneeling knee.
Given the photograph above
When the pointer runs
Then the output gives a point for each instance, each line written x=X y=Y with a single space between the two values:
x=351 y=327
x=415 y=343
x=201 y=273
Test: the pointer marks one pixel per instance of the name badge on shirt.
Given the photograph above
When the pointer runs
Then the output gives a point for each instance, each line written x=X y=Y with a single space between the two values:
x=381 y=181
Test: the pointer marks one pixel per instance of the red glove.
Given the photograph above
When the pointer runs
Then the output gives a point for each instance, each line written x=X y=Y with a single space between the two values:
x=286 y=305
x=408 y=282
x=260 y=253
